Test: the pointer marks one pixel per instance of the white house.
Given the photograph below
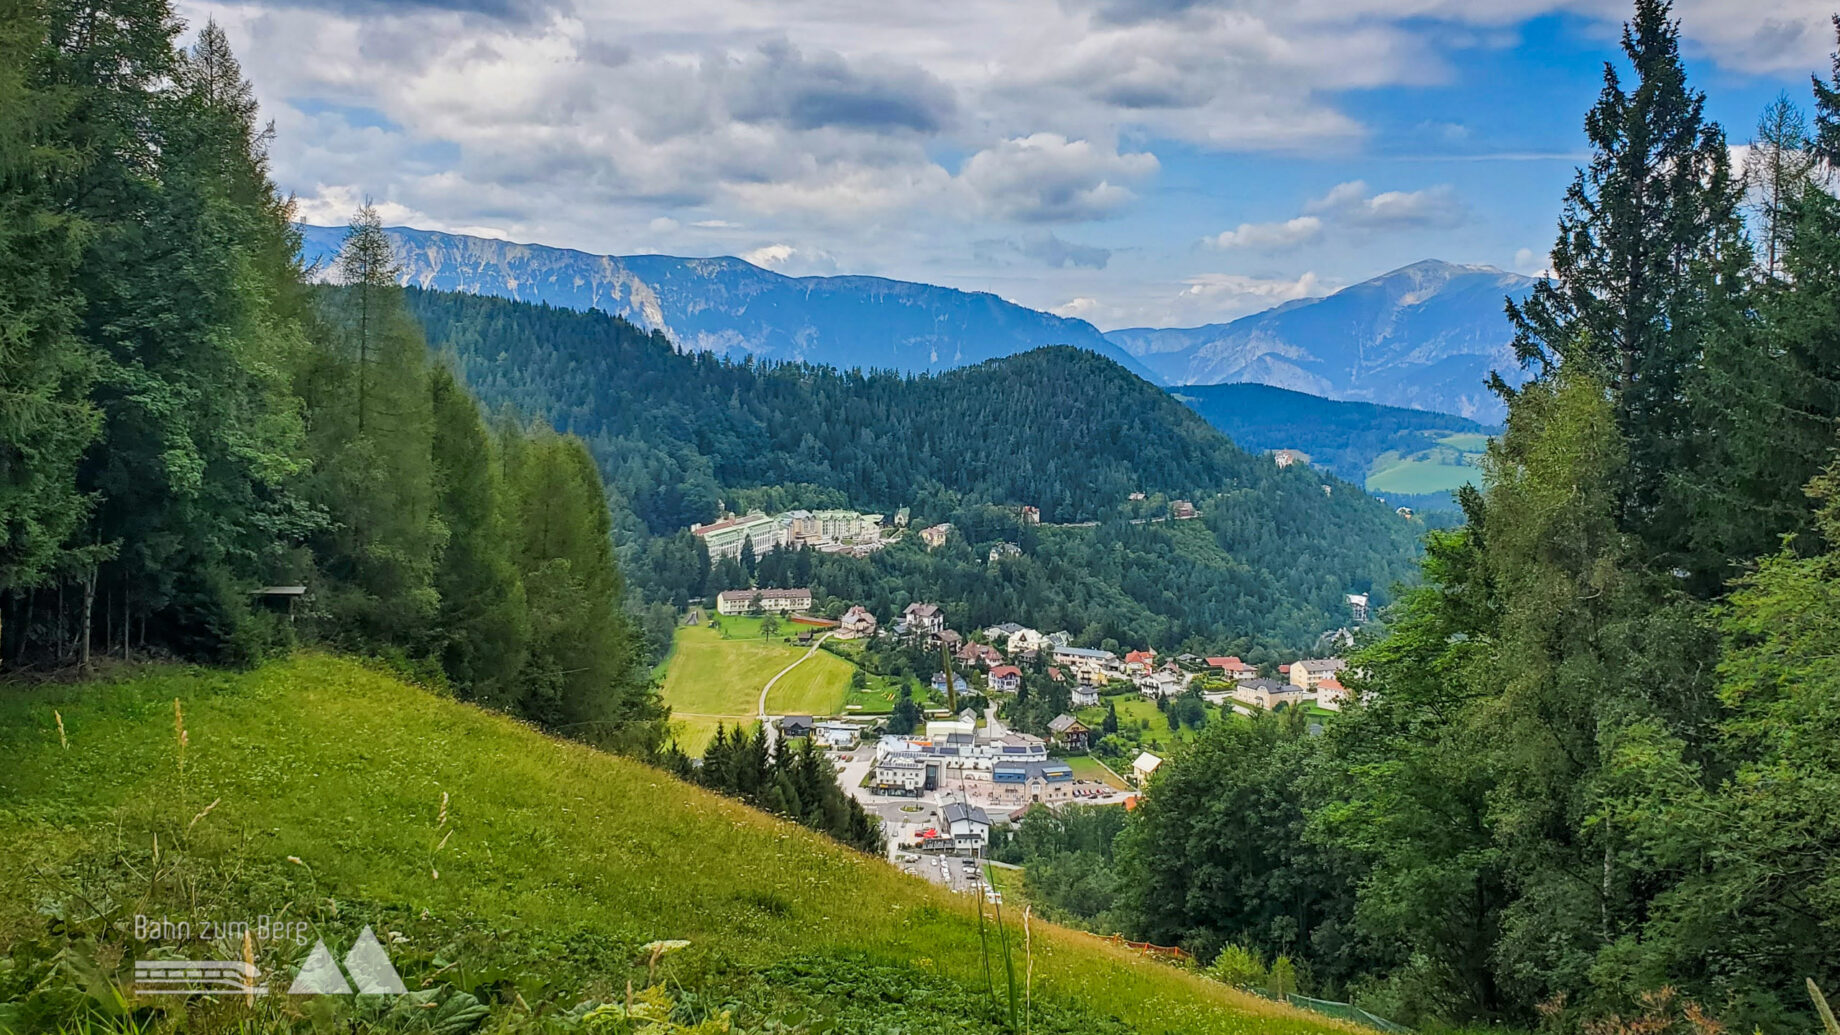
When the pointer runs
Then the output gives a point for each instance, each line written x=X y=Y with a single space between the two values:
x=839 y=735
x=899 y=774
x=969 y=825
x=1085 y=696
x=1006 y=679
x=857 y=624
x=922 y=619
x=743 y=601
x=1023 y=638
x=1143 y=766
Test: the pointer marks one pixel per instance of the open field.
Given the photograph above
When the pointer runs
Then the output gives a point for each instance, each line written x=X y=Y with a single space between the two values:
x=712 y=678
x=1420 y=477
x=1468 y=442
x=503 y=864
x=1085 y=767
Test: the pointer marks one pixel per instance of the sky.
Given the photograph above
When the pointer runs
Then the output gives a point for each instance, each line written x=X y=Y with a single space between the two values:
x=1129 y=162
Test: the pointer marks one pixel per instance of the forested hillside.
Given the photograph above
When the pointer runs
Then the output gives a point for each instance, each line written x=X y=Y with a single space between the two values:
x=678 y=433
x=1590 y=782
x=1339 y=436
x=201 y=458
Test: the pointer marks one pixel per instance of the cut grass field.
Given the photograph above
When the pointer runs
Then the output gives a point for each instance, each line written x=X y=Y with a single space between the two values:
x=711 y=678
x=1086 y=767
x=497 y=862
x=1421 y=477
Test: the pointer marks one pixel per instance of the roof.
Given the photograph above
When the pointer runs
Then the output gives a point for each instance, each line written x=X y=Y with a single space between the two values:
x=765 y=594
x=1056 y=674
x=1139 y=655
x=1063 y=723
x=790 y=721
x=1230 y=661
x=1146 y=762
x=958 y=812
x=1270 y=686
x=1321 y=665
x=1085 y=652
x=1005 y=670
x=1053 y=771
x=727 y=523
x=921 y=609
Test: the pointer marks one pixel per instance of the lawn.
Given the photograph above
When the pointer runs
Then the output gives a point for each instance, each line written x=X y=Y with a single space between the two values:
x=498 y=863
x=1468 y=442
x=1136 y=708
x=1086 y=767
x=1420 y=477
x=714 y=678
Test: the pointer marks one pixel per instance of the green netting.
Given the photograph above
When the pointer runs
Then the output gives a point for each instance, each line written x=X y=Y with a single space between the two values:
x=1345 y=1012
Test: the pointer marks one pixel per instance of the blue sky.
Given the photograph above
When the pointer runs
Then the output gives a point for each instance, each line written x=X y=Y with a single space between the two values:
x=1132 y=162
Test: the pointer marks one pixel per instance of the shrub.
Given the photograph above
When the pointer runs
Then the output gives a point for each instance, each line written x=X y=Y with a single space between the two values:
x=1238 y=966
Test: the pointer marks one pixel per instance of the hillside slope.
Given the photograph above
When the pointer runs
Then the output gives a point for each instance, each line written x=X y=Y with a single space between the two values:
x=727 y=305
x=1346 y=438
x=1425 y=335
x=522 y=870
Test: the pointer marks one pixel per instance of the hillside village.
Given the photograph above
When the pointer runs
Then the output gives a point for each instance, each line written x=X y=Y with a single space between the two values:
x=1025 y=718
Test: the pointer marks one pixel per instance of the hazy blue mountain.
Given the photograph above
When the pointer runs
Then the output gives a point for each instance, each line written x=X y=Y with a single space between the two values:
x=1424 y=336
x=730 y=306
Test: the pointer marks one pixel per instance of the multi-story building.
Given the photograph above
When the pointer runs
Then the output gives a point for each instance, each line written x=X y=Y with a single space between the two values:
x=934 y=536
x=745 y=601
x=857 y=624
x=724 y=538
x=1310 y=672
x=1093 y=666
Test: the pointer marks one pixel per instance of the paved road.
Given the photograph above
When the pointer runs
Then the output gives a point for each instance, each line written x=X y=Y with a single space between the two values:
x=766 y=721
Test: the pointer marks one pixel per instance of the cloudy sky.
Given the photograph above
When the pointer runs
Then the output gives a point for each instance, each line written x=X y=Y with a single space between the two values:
x=1166 y=162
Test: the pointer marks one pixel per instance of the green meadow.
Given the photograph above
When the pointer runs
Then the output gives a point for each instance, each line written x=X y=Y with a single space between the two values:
x=522 y=883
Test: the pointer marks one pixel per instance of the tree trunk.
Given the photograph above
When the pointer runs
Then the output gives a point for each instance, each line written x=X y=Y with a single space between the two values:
x=89 y=611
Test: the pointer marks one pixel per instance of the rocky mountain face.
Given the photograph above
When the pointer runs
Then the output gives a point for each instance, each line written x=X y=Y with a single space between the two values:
x=1423 y=336
x=731 y=306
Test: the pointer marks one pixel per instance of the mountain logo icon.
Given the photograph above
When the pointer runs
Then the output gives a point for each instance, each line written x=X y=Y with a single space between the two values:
x=369 y=966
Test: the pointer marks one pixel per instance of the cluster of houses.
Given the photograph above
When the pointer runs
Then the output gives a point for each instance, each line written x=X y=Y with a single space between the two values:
x=828 y=531
x=1008 y=768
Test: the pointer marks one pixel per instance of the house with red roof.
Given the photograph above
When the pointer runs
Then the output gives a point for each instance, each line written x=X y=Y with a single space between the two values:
x=1006 y=678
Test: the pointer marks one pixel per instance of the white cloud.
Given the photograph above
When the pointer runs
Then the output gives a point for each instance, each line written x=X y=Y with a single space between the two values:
x=1353 y=204
x=1044 y=177
x=1269 y=236
x=785 y=258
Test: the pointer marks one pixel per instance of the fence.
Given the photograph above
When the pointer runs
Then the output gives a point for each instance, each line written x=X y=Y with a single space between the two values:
x=1339 y=1011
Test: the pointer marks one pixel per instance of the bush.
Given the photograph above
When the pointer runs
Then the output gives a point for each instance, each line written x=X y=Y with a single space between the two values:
x=1238 y=966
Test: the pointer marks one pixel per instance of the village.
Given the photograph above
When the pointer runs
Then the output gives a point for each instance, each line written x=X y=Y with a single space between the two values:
x=965 y=763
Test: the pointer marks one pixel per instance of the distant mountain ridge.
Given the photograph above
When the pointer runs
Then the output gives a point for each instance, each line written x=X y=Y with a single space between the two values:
x=728 y=305
x=1424 y=336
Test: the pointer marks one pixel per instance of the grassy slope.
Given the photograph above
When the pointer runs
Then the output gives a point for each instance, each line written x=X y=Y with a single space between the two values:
x=710 y=679
x=562 y=860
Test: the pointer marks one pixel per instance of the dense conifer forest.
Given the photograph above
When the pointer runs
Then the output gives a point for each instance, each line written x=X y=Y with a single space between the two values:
x=680 y=435
x=188 y=433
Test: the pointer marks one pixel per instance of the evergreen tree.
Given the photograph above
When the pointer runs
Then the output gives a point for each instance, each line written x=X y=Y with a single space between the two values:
x=483 y=621
x=1648 y=268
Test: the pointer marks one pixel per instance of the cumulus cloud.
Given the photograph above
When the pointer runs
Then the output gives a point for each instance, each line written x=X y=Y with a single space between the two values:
x=1353 y=204
x=785 y=258
x=1045 y=177
x=1269 y=236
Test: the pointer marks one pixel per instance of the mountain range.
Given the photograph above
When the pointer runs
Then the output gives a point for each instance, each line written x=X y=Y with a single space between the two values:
x=731 y=306
x=1423 y=336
